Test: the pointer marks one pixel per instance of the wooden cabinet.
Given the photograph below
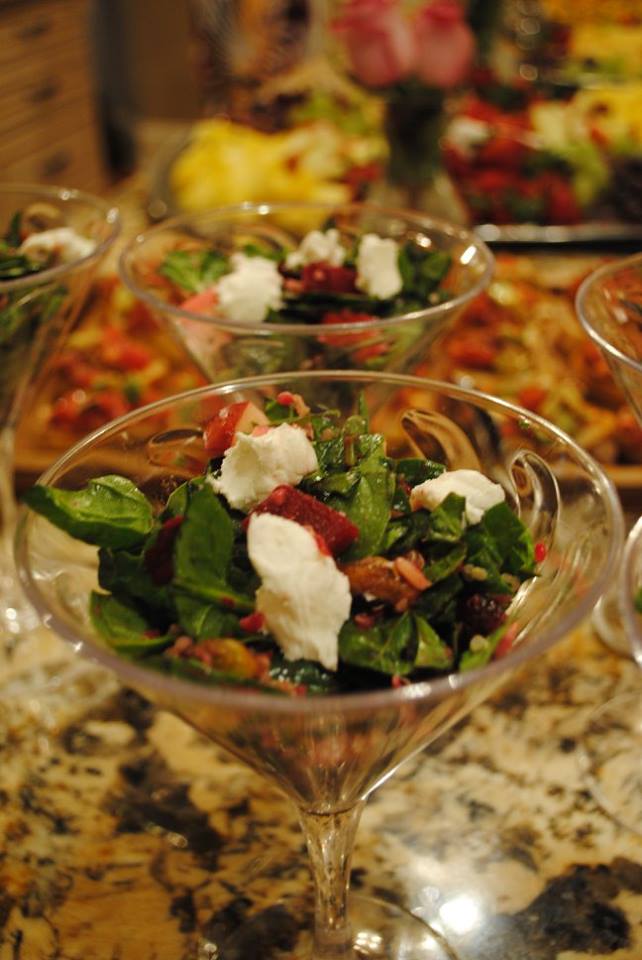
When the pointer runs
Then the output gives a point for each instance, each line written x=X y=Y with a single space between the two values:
x=48 y=126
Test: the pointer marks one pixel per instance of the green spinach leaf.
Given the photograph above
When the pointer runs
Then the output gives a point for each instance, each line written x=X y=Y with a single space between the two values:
x=194 y=270
x=387 y=648
x=123 y=627
x=109 y=511
x=432 y=652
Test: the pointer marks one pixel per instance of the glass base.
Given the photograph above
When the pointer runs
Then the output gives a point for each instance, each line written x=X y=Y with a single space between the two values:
x=610 y=757
x=381 y=931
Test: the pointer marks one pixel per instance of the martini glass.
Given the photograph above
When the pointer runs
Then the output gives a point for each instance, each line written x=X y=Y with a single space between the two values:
x=226 y=350
x=35 y=312
x=609 y=304
x=329 y=753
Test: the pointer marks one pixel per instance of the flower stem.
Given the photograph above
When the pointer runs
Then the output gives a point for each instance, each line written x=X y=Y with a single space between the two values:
x=330 y=841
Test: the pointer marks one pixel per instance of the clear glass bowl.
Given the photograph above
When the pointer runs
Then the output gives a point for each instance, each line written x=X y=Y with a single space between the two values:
x=35 y=313
x=329 y=753
x=631 y=589
x=226 y=350
x=609 y=305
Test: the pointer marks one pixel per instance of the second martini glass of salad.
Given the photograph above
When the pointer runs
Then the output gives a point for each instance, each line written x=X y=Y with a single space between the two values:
x=51 y=242
x=609 y=304
x=323 y=589
x=263 y=287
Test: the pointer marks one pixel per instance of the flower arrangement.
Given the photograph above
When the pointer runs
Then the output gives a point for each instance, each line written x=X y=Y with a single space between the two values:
x=412 y=53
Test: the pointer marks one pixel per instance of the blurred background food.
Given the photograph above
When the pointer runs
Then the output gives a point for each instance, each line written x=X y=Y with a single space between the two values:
x=214 y=102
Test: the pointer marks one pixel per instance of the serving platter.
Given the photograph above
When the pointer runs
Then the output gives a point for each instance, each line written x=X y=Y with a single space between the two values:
x=595 y=233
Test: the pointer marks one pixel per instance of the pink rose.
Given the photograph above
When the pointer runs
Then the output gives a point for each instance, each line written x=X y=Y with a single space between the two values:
x=378 y=39
x=445 y=45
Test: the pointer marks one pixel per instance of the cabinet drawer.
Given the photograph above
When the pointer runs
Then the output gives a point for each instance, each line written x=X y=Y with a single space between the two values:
x=72 y=161
x=29 y=29
x=32 y=91
x=57 y=124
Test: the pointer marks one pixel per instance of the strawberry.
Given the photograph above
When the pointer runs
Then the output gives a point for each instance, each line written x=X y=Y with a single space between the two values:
x=322 y=277
x=220 y=432
x=334 y=527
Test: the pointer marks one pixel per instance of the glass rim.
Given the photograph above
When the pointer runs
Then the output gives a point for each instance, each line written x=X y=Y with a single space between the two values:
x=586 y=288
x=632 y=619
x=108 y=210
x=306 y=329
x=131 y=673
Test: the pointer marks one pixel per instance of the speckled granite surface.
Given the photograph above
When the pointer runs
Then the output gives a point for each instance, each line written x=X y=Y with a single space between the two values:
x=127 y=837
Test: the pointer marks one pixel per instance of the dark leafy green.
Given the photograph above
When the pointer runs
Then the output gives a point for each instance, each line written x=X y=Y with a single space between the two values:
x=123 y=627
x=194 y=270
x=186 y=575
x=109 y=512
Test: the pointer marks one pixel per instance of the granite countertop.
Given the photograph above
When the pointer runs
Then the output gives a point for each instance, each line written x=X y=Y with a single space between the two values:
x=126 y=836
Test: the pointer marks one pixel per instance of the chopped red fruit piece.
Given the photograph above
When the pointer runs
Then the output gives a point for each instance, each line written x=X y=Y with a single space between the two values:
x=220 y=431
x=202 y=302
x=253 y=623
x=532 y=397
x=343 y=316
x=337 y=531
x=323 y=277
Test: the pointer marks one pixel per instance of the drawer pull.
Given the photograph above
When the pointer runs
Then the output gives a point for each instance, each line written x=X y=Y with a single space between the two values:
x=34 y=30
x=55 y=163
x=46 y=91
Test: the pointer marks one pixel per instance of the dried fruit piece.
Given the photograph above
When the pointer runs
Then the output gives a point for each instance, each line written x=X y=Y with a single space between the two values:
x=334 y=527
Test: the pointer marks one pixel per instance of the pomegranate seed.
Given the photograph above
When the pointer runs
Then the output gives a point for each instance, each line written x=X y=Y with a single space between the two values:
x=286 y=398
x=253 y=623
x=540 y=552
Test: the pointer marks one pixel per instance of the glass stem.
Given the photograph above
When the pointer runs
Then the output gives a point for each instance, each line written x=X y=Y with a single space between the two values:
x=7 y=499
x=330 y=840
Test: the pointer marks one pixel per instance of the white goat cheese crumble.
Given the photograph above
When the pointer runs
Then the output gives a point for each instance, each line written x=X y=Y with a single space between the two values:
x=317 y=247
x=303 y=596
x=251 y=289
x=69 y=245
x=481 y=493
x=253 y=466
x=377 y=266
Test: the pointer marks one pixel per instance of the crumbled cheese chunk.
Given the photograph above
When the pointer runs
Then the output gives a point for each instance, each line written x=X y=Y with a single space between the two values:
x=254 y=465
x=64 y=241
x=251 y=289
x=317 y=247
x=303 y=596
x=481 y=493
x=378 y=267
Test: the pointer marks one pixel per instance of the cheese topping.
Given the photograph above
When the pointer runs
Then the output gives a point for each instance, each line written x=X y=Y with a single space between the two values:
x=317 y=247
x=251 y=289
x=481 y=493
x=254 y=466
x=377 y=266
x=303 y=596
